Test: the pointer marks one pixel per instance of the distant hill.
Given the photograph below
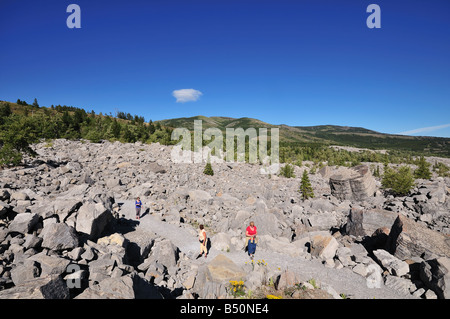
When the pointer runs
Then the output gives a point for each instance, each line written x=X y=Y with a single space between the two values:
x=326 y=135
x=133 y=129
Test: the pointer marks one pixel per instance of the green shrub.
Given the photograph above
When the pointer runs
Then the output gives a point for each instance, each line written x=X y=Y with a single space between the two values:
x=400 y=181
x=441 y=169
x=423 y=169
x=287 y=171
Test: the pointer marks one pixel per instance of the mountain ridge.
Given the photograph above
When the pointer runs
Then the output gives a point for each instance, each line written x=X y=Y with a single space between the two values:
x=326 y=134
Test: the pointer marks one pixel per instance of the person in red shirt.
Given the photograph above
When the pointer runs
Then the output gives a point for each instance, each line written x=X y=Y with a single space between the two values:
x=250 y=239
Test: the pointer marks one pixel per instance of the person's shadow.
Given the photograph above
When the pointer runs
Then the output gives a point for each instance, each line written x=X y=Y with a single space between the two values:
x=147 y=211
x=208 y=245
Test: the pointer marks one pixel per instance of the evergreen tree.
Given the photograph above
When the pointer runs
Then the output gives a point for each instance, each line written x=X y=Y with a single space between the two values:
x=5 y=111
x=306 y=189
x=287 y=171
x=115 y=128
x=423 y=169
x=151 y=127
x=400 y=181
x=208 y=168
x=35 y=103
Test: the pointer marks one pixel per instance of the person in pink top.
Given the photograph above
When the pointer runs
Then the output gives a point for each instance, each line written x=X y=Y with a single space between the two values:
x=250 y=239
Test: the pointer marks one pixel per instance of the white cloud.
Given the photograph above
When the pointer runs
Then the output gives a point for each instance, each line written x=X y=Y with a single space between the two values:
x=186 y=95
x=425 y=129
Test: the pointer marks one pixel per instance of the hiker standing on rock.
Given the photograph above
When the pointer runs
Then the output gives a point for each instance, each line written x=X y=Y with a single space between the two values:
x=138 y=205
x=250 y=239
x=203 y=240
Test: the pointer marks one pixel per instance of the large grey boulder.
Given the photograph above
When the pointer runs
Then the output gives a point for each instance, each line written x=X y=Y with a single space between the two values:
x=59 y=236
x=356 y=183
x=130 y=286
x=324 y=246
x=164 y=252
x=212 y=279
x=199 y=195
x=49 y=287
x=364 y=222
x=4 y=208
x=110 y=288
x=50 y=265
x=93 y=219
x=322 y=221
x=435 y=273
x=23 y=223
x=391 y=263
x=408 y=239
x=24 y=272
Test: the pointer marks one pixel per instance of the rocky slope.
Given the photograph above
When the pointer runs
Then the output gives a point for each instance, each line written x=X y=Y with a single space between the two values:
x=68 y=228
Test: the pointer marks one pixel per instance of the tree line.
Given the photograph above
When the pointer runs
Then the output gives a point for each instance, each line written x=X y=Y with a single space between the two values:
x=28 y=124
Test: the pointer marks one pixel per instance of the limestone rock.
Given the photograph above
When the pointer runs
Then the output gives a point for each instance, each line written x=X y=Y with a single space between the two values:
x=114 y=239
x=364 y=222
x=93 y=219
x=59 y=236
x=394 y=265
x=324 y=246
x=435 y=273
x=222 y=269
x=25 y=272
x=286 y=279
x=356 y=183
x=49 y=287
x=408 y=239
x=23 y=223
x=50 y=265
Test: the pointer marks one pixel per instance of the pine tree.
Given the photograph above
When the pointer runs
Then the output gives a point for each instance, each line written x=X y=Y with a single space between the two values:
x=423 y=169
x=400 y=181
x=208 y=168
x=115 y=128
x=306 y=189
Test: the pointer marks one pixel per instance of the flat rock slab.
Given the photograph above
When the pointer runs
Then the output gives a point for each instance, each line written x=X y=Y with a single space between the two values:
x=222 y=269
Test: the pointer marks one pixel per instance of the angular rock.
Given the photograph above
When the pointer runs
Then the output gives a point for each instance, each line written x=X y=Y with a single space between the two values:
x=391 y=263
x=356 y=183
x=286 y=279
x=23 y=223
x=222 y=242
x=49 y=287
x=267 y=224
x=435 y=273
x=400 y=284
x=409 y=239
x=93 y=219
x=281 y=245
x=110 y=288
x=125 y=287
x=324 y=246
x=59 y=236
x=50 y=265
x=323 y=221
x=164 y=252
x=223 y=269
x=199 y=195
x=24 y=272
x=32 y=241
x=362 y=222
x=4 y=208
x=114 y=239
x=19 y=196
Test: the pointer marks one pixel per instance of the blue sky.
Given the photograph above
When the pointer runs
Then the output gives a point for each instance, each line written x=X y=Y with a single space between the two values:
x=296 y=62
